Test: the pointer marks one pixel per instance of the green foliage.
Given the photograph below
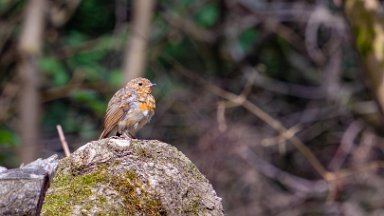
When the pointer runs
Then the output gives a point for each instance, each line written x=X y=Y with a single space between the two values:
x=54 y=70
x=90 y=59
x=8 y=138
x=208 y=15
x=185 y=3
x=274 y=58
x=57 y=113
x=75 y=38
x=87 y=58
x=8 y=5
x=247 y=39
x=93 y=17
x=116 y=76
x=91 y=99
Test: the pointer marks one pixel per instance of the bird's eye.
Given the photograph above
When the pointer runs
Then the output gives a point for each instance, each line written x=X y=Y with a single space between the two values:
x=140 y=83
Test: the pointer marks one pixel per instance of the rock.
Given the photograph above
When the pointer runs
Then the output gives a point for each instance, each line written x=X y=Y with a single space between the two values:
x=2 y=169
x=22 y=190
x=130 y=177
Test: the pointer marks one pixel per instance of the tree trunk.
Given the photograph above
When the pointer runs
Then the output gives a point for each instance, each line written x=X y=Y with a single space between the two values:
x=29 y=98
x=136 y=48
x=366 y=20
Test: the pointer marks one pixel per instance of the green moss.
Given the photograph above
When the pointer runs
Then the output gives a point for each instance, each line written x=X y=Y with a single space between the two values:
x=363 y=22
x=194 y=172
x=140 y=150
x=136 y=199
x=58 y=201
x=193 y=207
x=71 y=189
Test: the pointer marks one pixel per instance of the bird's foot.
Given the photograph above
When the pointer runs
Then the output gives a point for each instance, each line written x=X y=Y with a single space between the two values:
x=132 y=137
x=126 y=136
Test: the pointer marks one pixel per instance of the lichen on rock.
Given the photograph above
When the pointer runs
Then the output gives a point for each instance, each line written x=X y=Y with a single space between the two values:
x=129 y=177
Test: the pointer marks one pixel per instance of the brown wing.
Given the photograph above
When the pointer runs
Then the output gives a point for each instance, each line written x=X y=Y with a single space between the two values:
x=117 y=108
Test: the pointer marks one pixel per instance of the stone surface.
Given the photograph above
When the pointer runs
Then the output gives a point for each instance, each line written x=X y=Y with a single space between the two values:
x=22 y=190
x=130 y=177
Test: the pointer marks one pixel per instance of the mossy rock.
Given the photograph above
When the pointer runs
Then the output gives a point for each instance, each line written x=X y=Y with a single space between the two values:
x=129 y=177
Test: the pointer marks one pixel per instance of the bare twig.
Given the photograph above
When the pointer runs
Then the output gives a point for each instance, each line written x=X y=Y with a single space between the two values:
x=333 y=178
x=64 y=143
x=281 y=139
x=364 y=149
x=221 y=116
x=370 y=166
x=298 y=11
x=189 y=27
x=346 y=145
x=223 y=105
x=285 y=88
x=275 y=124
x=77 y=83
x=291 y=181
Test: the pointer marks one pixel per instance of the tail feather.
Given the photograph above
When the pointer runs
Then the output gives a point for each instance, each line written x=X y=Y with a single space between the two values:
x=103 y=135
x=107 y=133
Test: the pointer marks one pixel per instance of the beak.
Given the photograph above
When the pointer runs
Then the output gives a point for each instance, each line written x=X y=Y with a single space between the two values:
x=153 y=84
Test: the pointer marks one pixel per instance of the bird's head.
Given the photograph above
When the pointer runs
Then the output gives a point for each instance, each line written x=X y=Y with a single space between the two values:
x=141 y=85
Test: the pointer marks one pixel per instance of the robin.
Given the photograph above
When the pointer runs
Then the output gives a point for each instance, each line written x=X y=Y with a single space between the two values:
x=129 y=109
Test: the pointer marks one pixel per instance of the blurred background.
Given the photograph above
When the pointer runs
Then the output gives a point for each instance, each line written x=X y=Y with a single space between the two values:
x=278 y=103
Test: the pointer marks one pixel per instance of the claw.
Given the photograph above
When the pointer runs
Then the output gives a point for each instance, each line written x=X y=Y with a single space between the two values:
x=126 y=136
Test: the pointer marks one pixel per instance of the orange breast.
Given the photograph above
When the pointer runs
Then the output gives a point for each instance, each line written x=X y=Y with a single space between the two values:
x=147 y=106
x=143 y=107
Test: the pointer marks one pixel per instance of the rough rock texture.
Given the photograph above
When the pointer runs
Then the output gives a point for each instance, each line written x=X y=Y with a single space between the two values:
x=22 y=190
x=136 y=177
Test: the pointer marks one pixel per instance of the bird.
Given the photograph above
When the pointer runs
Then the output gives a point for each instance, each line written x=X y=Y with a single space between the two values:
x=129 y=109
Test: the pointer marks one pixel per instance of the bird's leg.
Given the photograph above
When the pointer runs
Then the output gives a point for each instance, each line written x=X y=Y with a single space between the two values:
x=132 y=136
x=125 y=136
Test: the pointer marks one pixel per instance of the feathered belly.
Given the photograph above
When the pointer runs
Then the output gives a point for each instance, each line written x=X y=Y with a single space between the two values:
x=136 y=118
